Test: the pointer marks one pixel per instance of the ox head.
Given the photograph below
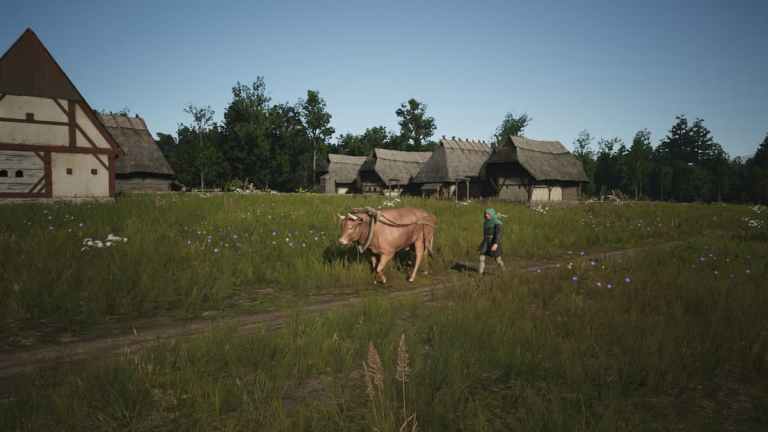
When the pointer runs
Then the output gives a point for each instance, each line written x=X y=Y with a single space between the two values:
x=351 y=228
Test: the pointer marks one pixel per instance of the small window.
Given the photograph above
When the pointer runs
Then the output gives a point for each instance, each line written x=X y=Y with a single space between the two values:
x=30 y=116
x=3 y=173
x=69 y=171
x=94 y=171
x=19 y=173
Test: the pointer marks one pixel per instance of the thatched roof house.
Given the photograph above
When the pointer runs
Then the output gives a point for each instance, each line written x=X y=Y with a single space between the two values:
x=143 y=168
x=523 y=169
x=454 y=161
x=340 y=173
x=390 y=169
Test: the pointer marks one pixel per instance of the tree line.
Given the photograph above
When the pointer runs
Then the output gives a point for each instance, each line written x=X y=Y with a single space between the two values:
x=686 y=165
x=283 y=146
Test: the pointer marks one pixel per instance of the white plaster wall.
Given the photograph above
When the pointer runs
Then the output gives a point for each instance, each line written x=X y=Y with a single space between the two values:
x=34 y=134
x=44 y=109
x=28 y=163
x=90 y=129
x=556 y=194
x=81 y=183
x=540 y=194
x=393 y=193
x=341 y=190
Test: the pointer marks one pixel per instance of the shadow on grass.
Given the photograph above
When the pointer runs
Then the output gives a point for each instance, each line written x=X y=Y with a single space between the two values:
x=462 y=266
x=334 y=254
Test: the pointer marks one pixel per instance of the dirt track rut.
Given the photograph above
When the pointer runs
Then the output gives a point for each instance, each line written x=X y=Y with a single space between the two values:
x=25 y=360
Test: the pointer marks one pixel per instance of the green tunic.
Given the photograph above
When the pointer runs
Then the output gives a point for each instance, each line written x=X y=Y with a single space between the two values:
x=491 y=236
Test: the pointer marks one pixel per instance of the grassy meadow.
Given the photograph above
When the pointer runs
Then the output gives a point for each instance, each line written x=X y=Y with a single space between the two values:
x=668 y=338
x=184 y=255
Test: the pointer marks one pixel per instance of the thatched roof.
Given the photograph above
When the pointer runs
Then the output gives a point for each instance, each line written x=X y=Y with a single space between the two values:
x=395 y=167
x=544 y=160
x=142 y=155
x=343 y=168
x=454 y=159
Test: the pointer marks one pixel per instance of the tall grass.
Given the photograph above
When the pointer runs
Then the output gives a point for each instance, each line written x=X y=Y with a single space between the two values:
x=671 y=339
x=187 y=254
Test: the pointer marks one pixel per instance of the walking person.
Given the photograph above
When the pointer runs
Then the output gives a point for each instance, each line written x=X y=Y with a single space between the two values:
x=491 y=245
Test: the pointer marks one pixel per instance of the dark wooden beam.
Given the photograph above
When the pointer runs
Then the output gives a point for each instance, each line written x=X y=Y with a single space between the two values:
x=104 y=164
x=22 y=195
x=37 y=183
x=101 y=128
x=112 y=169
x=61 y=107
x=72 y=124
x=48 y=175
x=58 y=149
x=40 y=122
x=85 y=135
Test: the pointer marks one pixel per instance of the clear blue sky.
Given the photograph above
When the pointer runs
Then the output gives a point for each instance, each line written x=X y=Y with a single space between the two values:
x=610 y=67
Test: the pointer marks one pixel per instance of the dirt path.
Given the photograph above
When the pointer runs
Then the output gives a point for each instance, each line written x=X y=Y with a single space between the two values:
x=149 y=332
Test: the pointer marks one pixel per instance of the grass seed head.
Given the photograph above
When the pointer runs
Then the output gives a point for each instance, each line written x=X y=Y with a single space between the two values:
x=403 y=369
x=375 y=368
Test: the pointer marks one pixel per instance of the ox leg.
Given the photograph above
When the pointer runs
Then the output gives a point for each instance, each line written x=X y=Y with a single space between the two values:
x=373 y=263
x=380 y=267
x=419 y=249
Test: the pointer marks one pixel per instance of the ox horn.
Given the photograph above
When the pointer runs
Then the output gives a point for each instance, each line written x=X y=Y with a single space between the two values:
x=353 y=217
x=340 y=216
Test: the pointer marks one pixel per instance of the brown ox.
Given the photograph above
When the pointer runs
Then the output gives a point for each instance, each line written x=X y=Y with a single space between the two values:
x=385 y=232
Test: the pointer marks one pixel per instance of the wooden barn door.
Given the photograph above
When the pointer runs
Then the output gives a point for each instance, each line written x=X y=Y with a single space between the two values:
x=25 y=174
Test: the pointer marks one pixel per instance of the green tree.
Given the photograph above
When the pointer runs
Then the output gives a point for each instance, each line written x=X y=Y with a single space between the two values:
x=756 y=173
x=698 y=164
x=246 y=124
x=349 y=144
x=198 y=151
x=512 y=126
x=363 y=145
x=416 y=127
x=290 y=148
x=582 y=149
x=167 y=144
x=607 y=174
x=638 y=162
x=316 y=120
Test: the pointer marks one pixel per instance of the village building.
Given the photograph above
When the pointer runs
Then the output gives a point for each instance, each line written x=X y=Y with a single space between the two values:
x=527 y=170
x=454 y=170
x=339 y=175
x=391 y=171
x=142 y=168
x=52 y=144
